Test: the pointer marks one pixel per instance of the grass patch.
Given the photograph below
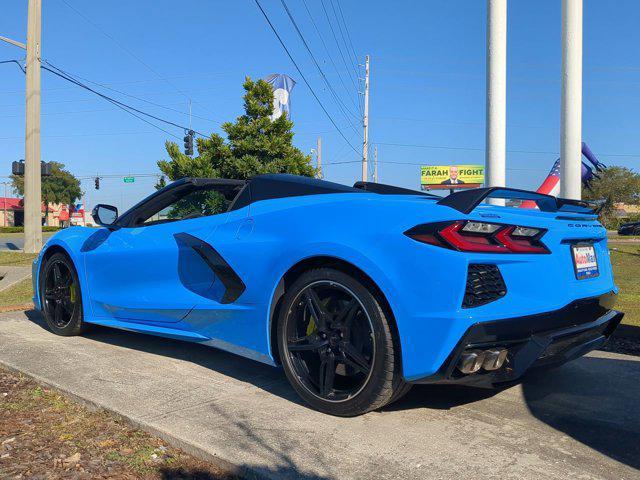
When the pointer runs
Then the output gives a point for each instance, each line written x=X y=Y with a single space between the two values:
x=16 y=259
x=44 y=434
x=5 y=230
x=18 y=294
x=625 y=259
x=624 y=238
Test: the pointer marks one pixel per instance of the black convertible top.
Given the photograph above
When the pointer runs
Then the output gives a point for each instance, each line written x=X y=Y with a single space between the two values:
x=241 y=193
x=281 y=185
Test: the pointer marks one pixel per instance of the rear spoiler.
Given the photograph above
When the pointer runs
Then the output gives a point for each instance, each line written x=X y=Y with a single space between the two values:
x=466 y=201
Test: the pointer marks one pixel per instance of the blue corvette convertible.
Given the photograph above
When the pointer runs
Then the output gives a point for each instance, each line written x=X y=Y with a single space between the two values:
x=357 y=292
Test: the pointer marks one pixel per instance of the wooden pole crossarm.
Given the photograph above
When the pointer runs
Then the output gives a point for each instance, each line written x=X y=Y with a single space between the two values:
x=14 y=42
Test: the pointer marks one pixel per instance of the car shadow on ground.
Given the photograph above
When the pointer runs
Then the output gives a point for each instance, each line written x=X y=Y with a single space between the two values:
x=594 y=400
x=441 y=397
x=262 y=376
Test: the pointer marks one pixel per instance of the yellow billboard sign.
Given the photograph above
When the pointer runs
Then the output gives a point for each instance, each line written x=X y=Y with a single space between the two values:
x=434 y=177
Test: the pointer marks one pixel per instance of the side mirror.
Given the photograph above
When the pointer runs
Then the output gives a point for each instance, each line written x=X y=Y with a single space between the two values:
x=104 y=215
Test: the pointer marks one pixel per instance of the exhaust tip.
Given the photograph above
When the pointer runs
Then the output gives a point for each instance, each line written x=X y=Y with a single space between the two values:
x=494 y=359
x=471 y=361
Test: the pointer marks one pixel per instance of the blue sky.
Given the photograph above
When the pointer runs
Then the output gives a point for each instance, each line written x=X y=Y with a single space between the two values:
x=427 y=82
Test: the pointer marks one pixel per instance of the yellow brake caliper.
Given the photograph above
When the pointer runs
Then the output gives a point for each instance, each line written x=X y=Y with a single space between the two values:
x=311 y=327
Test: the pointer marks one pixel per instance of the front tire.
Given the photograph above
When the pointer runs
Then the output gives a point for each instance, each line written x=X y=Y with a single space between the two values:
x=336 y=344
x=60 y=296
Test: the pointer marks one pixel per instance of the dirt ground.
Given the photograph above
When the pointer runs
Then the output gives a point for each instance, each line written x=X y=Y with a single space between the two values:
x=45 y=435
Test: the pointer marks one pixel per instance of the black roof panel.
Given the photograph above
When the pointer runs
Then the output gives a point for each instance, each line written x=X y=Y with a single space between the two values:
x=281 y=185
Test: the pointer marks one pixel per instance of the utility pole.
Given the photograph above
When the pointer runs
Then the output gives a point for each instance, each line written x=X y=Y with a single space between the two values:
x=32 y=179
x=32 y=169
x=571 y=103
x=496 y=125
x=365 y=121
x=375 y=164
x=319 y=158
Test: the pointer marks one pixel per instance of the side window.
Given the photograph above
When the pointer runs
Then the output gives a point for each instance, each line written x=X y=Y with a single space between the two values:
x=186 y=198
x=197 y=203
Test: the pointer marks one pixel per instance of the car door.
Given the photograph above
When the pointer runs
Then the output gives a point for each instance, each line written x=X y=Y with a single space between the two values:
x=150 y=271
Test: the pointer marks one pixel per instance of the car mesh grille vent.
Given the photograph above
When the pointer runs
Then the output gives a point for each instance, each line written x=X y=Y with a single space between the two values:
x=484 y=285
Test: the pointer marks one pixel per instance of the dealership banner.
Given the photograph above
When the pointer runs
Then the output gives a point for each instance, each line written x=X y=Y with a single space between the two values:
x=434 y=177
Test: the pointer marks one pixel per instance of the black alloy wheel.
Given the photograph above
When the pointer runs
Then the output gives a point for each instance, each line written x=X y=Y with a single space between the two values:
x=329 y=341
x=336 y=345
x=60 y=296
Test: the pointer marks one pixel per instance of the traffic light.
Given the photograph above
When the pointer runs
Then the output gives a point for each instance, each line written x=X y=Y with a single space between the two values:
x=45 y=169
x=17 y=168
x=188 y=142
x=97 y=183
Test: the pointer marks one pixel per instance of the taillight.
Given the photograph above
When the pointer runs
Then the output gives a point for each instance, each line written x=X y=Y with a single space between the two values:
x=472 y=236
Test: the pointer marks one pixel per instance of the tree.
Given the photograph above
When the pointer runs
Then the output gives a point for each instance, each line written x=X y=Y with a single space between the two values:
x=615 y=185
x=254 y=145
x=59 y=187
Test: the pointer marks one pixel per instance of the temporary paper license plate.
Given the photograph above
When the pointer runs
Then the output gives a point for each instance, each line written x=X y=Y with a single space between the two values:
x=584 y=261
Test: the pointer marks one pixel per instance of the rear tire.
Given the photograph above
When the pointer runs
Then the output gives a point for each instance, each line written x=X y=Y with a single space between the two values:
x=336 y=344
x=60 y=296
x=400 y=391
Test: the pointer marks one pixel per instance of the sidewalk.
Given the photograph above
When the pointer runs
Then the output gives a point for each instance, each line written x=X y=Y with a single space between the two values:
x=11 y=275
x=580 y=421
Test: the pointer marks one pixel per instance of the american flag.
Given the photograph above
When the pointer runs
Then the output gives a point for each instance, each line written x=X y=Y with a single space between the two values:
x=551 y=184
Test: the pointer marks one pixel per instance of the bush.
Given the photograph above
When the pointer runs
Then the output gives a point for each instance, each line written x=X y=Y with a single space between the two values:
x=21 y=229
x=613 y=223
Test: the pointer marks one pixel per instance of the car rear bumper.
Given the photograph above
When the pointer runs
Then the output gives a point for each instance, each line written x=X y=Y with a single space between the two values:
x=546 y=339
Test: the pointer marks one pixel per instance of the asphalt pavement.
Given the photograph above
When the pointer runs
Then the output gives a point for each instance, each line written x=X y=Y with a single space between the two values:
x=15 y=241
x=579 y=421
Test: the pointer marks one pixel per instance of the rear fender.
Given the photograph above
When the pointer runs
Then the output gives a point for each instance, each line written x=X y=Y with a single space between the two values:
x=325 y=254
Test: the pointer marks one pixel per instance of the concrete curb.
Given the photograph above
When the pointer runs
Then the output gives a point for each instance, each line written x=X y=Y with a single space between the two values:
x=191 y=448
x=17 y=307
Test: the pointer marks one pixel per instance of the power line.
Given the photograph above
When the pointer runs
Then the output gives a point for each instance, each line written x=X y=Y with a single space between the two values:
x=477 y=149
x=127 y=51
x=71 y=112
x=16 y=62
x=302 y=76
x=355 y=59
x=126 y=82
x=71 y=135
x=132 y=96
x=326 y=49
x=393 y=162
x=339 y=102
x=115 y=102
x=335 y=38
x=347 y=30
x=346 y=47
x=66 y=76
x=120 y=175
